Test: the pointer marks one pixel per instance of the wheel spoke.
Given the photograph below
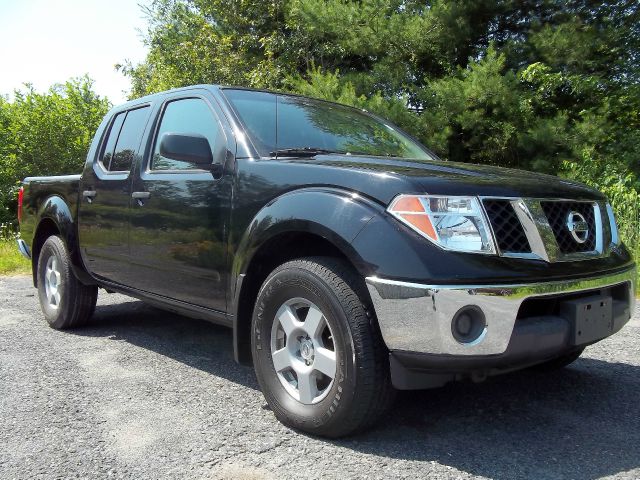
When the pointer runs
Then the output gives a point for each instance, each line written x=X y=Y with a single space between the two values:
x=314 y=322
x=325 y=361
x=287 y=319
x=307 y=388
x=281 y=359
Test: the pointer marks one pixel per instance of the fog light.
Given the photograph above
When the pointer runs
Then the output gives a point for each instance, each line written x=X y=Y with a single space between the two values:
x=469 y=325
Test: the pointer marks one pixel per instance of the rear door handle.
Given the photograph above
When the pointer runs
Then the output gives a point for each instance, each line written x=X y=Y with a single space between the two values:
x=89 y=195
x=140 y=197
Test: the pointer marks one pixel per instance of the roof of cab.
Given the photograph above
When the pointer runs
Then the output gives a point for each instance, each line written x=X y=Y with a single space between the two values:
x=155 y=96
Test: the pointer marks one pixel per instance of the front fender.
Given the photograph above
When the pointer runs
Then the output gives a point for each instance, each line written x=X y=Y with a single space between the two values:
x=333 y=214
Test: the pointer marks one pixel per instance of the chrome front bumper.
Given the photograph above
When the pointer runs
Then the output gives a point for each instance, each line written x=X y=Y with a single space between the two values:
x=417 y=318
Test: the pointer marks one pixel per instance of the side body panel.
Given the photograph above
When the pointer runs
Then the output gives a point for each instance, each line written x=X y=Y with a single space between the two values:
x=178 y=233
x=104 y=209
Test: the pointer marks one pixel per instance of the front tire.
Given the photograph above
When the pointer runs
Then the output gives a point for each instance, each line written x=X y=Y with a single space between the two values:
x=317 y=353
x=65 y=301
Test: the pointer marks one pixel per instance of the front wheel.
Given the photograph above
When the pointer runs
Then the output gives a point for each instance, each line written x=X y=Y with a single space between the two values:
x=318 y=356
x=64 y=300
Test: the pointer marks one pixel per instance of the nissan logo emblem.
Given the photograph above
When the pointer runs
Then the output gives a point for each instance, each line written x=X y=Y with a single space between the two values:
x=578 y=227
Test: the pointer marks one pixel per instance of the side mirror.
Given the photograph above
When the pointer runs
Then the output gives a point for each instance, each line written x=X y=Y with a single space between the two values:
x=187 y=148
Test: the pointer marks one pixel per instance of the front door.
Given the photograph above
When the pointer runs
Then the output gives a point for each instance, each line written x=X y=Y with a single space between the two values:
x=105 y=193
x=179 y=213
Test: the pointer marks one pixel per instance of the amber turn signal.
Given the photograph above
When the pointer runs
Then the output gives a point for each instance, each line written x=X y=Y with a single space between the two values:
x=411 y=210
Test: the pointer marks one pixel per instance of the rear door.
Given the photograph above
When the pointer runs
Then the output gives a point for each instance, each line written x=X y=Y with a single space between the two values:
x=179 y=213
x=105 y=194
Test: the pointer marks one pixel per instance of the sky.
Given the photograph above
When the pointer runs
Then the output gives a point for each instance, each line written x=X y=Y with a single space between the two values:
x=44 y=42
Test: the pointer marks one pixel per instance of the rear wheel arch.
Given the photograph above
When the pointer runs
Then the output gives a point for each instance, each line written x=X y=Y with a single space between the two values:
x=64 y=228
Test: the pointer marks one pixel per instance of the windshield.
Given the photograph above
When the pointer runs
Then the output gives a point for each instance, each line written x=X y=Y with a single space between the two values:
x=282 y=125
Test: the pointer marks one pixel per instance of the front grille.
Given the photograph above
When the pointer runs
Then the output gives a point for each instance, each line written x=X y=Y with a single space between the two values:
x=507 y=228
x=557 y=213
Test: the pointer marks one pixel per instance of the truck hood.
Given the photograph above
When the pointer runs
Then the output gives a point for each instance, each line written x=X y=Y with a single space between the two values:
x=452 y=178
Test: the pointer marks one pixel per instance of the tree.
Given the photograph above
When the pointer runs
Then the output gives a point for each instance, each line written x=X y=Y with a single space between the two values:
x=45 y=134
x=514 y=83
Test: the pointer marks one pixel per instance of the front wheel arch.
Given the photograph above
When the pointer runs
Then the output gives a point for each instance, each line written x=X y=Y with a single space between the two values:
x=279 y=249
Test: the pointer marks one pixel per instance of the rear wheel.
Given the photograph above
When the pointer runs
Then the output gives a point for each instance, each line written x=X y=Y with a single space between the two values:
x=64 y=300
x=318 y=355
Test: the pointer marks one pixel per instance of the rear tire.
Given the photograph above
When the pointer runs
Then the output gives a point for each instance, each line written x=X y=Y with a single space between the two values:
x=317 y=352
x=65 y=301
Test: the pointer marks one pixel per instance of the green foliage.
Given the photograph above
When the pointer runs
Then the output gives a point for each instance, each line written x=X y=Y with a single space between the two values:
x=45 y=134
x=11 y=260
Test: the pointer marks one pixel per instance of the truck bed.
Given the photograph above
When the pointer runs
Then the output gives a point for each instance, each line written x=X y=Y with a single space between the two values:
x=37 y=190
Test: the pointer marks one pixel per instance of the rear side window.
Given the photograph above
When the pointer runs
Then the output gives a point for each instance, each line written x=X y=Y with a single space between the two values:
x=110 y=144
x=124 y=139
x=187 y=116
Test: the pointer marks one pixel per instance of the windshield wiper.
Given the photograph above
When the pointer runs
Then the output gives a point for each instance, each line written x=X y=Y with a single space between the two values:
x=303 y=152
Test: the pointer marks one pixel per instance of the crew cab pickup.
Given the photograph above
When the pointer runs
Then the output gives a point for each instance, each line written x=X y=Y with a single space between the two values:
x=348 y=260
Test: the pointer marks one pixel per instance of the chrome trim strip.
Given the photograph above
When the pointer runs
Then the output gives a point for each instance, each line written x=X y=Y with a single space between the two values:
x=24 y=249
x=597 y=216
x=417 y=317
x=531 y=228
x=614 y=237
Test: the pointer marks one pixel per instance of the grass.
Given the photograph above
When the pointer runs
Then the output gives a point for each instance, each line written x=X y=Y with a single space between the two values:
x=11 y=261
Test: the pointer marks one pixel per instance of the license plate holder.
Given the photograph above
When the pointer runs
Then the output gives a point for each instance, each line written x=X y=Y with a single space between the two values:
x=591 y=318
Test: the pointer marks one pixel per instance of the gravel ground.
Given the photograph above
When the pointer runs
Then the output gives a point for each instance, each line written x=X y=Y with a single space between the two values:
x=141 y=393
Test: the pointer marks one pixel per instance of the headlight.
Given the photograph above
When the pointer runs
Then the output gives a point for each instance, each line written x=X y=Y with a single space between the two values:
x=615 y=238
x=453 y=223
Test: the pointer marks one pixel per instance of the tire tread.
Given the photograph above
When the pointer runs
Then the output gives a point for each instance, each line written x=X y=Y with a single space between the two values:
x=375 y=394
x=81 y=298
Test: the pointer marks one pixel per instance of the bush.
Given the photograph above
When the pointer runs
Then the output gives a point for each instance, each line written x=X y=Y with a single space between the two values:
x=45 y=134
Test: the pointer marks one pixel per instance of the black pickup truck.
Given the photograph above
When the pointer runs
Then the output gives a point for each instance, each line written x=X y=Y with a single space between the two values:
x=348 y=260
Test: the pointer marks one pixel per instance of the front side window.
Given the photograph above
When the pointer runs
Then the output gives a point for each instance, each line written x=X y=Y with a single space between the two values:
x=282 y=122
x=189 y=116
x=123 y=140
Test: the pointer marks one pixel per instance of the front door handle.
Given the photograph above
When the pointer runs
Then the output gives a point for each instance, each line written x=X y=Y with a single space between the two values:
x=140 y=197
x=89 y=195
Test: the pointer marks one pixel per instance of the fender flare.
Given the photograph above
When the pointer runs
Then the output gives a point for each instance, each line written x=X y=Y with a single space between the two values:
x=54 y=208
x=333 y=214
x=342 y=216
